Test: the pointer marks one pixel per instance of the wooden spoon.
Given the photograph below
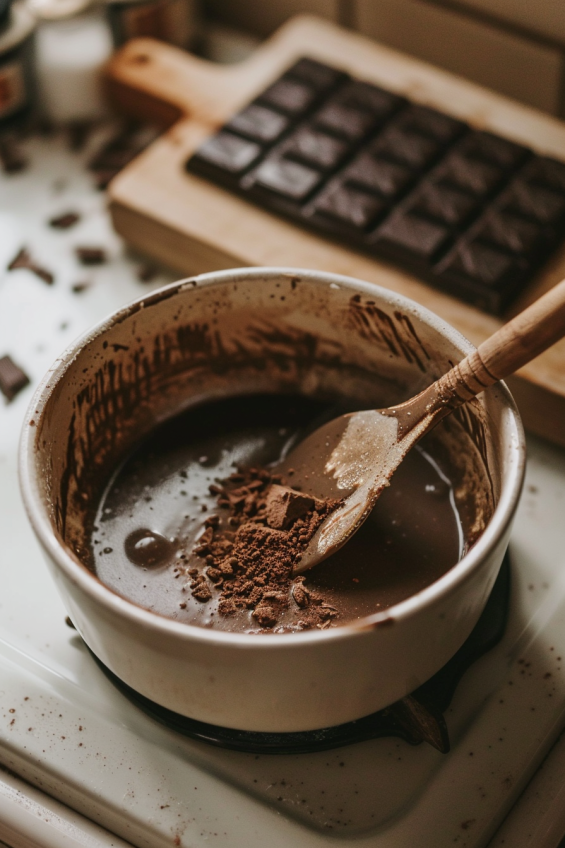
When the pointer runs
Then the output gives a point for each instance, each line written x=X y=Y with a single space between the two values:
x=354 y=456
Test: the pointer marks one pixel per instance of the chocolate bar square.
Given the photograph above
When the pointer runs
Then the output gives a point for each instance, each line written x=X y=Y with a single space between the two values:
x=478 y=178
x=289 y=179
x=511 y=233
x=320 y=76
x=352 y=207
x=368 y=97
x=316 y=148
x=545 y=172
x=444 y=203
x=289 y=96
x=415 y=151
x=410 y=233
x=480 y=263
x=430 y=122
x=491 y=148
x=228 y=152
x=386 y=178
x=535 y=202
x=258 y=123
x=344 y=122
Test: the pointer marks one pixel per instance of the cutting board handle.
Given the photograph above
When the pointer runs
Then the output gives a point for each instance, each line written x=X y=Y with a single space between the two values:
x=154 y=81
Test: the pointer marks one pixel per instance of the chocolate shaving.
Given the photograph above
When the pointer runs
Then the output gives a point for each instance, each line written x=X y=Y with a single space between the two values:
x=23 y=260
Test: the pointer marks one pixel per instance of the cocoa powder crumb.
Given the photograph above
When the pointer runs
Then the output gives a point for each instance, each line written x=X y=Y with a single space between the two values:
x=200 y=589
x=250 y=554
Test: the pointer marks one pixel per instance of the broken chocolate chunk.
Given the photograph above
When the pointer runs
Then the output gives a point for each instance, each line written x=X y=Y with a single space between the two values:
x=65 y=221
x=283 y=506
x=11 y=158
x=23 y=260
x=12 y=378
x=91 y=255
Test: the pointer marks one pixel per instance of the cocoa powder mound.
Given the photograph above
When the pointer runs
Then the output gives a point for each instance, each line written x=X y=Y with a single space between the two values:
x=252 y=545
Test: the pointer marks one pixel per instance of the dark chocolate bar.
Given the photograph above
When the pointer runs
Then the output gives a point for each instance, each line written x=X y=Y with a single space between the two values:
x=466 y=210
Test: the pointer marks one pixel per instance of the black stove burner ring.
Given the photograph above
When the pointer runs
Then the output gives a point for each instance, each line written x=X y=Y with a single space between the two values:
x=416 y=718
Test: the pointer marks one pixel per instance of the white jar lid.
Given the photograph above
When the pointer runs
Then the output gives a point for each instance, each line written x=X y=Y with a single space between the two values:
x=56 y=10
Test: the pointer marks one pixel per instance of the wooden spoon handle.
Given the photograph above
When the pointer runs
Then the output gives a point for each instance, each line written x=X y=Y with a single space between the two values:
x=516 y=343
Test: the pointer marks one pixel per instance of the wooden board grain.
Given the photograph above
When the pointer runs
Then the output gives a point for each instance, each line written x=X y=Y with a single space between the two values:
x=194 y=226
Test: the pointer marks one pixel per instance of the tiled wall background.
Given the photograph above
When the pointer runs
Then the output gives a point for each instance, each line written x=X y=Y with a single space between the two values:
x=514 y=46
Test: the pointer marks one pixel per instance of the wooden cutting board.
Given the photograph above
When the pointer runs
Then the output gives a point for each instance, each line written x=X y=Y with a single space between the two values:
x=194 y=226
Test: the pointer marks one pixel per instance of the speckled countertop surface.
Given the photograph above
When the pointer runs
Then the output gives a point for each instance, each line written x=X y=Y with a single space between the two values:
x=64 y=728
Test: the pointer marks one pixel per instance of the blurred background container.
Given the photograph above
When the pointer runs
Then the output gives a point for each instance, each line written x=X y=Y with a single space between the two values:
x=513 y=46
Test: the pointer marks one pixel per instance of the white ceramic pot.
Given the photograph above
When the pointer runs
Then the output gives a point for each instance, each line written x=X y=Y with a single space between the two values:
x=245 y=331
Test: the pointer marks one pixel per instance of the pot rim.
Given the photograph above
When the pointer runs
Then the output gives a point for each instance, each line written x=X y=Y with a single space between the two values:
x=77 y=573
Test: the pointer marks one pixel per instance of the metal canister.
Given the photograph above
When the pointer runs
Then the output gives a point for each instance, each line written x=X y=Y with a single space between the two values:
x=173 y=21
x=16 y=78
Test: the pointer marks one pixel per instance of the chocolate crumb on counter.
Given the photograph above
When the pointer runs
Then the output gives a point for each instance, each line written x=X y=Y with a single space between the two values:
x=91 y=255
x=79 y=133
x=64 y=221
x=12 y=378
x=12 y=159
x=119 y=151
x=146 y=272
x=78 y=288
x=23 y=260
x=250 y=548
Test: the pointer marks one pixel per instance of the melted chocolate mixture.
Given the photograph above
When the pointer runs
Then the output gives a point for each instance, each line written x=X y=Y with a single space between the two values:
x=153 y=511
